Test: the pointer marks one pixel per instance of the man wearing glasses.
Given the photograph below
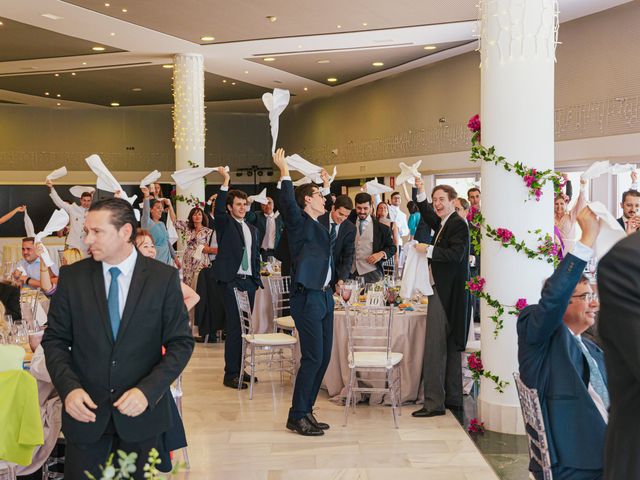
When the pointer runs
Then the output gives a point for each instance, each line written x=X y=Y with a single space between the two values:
x=567 y=370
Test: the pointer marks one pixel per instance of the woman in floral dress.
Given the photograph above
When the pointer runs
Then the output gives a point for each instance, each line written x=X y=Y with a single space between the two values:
x=197 y=236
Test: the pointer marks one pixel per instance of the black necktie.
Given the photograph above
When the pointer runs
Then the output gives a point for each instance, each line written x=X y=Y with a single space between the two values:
x=332 y=237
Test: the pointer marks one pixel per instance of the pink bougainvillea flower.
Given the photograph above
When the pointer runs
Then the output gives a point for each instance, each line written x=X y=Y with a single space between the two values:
x=474 y=123
x=504 y=234
x=521 y=303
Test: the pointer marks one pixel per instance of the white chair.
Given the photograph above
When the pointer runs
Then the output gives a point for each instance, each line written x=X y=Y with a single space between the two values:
x=534 y=427
x=260 y=348
x=280 y=299
x=369 y=343
x=389 y=267
x=176 y=392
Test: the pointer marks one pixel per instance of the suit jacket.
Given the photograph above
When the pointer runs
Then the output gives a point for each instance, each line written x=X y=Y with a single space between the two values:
x=382 y=238
x=80 y=350
x=231 y=244
x=309 y=244
x=10 y=298
x=619 y=328
x=551 y=362
x=259 y=220
x=450 y=267
x=621 y=222
x=344 y=249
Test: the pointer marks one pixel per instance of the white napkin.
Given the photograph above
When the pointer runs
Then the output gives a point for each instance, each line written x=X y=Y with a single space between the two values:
x=78 y=190
x=197 y=254
x=413 y=276
x=21 y=270
x=595 y=170
x=408 y=173
x=610 y=230
x=57 y=173
x=41 y=315
x=172 y=233
x=372 y=187
x=59 y=219
x=260 y=198
x=136 y=213
x=275 y=102
x=151 y=178
x=299 y=164
x=106 y=181
x=301 y=181
x=620 y=168
x=28 y=225
x=188 y=176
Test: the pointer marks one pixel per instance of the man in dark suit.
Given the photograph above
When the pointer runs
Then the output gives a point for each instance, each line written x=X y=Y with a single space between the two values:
x=311 y=245
x=109 y=319
x=269 y=225
x=630 y=209
x=566 y=369
x=237 y=265
x=619 y=328
x=10 y=298
x=374 y=243
x=447 y=315
x=337 y=219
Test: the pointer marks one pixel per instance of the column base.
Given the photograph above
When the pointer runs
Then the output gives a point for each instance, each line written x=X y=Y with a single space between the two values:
x=501 y=418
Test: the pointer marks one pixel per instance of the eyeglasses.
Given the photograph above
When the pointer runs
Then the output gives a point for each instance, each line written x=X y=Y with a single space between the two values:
x=588 y=296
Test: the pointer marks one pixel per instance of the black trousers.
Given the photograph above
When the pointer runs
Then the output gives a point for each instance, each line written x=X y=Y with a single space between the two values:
x=233 y=342
x=81 y=457
x=312 y=311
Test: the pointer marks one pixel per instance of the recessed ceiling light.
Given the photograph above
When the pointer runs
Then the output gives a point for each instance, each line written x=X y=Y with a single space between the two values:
x=98 y=49
x=269 y=59
x=56 y=74
x=58 y=104
x=58 y=95
x=73 y=74
x=246 y=71
x=115 y=104
x=124 y=10
x=277 y=81
x=272 y=18
x=306 y=89
x=207 y=38
x=364 y=24
x=136 y=89
x=324 y=61
x=113 y=34
x=46 y=93
x=51 y=16
x=332 y=79
x=377 y=64
x=84 y=63
x=430 y=47
x=107 y=4
x=233 y=83
x=224 y=81
x=338 y=26
x=167 y=65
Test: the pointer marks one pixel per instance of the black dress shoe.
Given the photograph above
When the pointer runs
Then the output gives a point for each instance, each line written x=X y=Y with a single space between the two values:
x=247 y=378
x=316 y=423
x=304 y=427
x=423 y=412
x=233 y=383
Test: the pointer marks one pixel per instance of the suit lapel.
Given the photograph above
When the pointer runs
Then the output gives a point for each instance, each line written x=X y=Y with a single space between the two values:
x=97 y=278
x=138 y=280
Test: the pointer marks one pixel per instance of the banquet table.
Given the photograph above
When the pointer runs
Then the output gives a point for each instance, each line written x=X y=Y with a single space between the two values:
x=407 y=337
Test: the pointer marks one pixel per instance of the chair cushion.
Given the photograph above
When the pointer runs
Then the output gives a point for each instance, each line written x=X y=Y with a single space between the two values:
x=376 y=359
x=473 y=346
x=271 y=339
x=286 y=322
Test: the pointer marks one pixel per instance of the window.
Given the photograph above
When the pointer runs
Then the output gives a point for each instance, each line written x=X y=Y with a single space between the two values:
x=460 y=182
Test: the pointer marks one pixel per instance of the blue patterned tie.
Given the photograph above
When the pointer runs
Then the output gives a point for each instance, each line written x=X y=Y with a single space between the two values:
x=595 y=376
x=113 y=301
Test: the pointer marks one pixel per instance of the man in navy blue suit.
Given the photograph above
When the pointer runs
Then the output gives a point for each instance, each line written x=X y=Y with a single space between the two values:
x=567 y=370
x=310 y=245
x=237 y=265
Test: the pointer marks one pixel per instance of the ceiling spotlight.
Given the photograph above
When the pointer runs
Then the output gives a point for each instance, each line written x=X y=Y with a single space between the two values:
x=332 y=79
x=224 y=81
x=364 y=24
x=246 y=71
x=98 y=49
x=56 y=74
x=84 y=63
x=299 y=46
x=73 y=74
x=233 y=83
x=306 y=89
x=272 y=18
x=58 y=95
x=207 y=38
x=115 y=104
x=58 y=104
x=377 y=64
x=107 y=5
x=136 y=89
x=430 y=47
x=113 y=34
x=167 y=65
x=269 y=59
x=324 y=61
x=124 y=10
x=46 y=93
x=338 y=26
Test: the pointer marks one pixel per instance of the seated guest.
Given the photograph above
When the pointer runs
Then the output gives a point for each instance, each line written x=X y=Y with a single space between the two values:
x=28 y=270
x=151 y=220
x=567 y=370
x=374 y=243
x=8 y=216
x=269 y=225
x=337 y=221
x=382 y=215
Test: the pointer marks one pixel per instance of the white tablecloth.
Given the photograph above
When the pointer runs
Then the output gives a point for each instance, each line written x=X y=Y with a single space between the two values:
x=263 y=309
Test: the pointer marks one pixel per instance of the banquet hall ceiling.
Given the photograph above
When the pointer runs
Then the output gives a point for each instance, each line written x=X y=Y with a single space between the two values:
x=112 y=51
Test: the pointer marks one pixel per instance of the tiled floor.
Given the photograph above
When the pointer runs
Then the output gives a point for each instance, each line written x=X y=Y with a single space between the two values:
x=232 y=437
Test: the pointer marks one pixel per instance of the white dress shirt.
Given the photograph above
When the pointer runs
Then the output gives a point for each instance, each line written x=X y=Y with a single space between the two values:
x=399 y=218
x=124 y=279
x=77 y=216
x=269 y=240
x=246 y=232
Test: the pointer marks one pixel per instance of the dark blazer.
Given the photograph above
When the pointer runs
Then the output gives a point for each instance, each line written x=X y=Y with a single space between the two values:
x=382 y=238
x=259 y=220
x=231 y=244
x=10 y=298
x=450 y=268
x=344 y=250
x=621 y=222
x=551 y=362
x=309 y=244
x=619 y=328
x=81 y=353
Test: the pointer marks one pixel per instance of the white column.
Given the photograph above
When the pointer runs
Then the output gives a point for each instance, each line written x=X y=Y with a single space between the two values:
x=517 y=46
x=188 y=121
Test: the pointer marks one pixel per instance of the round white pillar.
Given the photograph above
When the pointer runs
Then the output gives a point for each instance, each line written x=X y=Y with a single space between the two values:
x=188 y=121
x=517 y=46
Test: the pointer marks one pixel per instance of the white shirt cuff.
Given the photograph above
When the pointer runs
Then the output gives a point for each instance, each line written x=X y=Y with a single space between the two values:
x=430 y=251
x=325 y=191
x=634 y=186
x=582 y=252
x=286 y=177
x=421 y=197
x=224 y=189
x=583 y=187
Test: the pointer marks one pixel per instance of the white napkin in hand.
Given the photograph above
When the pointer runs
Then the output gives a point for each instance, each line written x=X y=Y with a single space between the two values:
x=28 y=225
x=260 y=198
x=59 y=219
x=610 y=230
x=106 y=181
x=57 y=173
x=301 y=181
x=372 y=187
x=620 y=168
x=172 y=233
x=595 y=170
x=188 y=176
x=78 y=190
x=151 y=178
x=275 y=102
x=22 y=271
x=197 y=254
x=299 y=164
x=408 y=173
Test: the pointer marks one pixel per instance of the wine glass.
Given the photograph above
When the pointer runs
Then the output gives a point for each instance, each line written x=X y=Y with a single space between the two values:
x=345 y=292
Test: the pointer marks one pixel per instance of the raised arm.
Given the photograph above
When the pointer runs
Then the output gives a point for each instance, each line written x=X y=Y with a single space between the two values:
x=9 y=216
x=291 y=212
x=427 y=213
x=145 y=219
x=580 y=203
x=56 y=198
x=172 y=213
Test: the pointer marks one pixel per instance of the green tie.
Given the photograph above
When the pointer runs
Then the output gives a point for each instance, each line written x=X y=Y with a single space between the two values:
x=245 y=259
